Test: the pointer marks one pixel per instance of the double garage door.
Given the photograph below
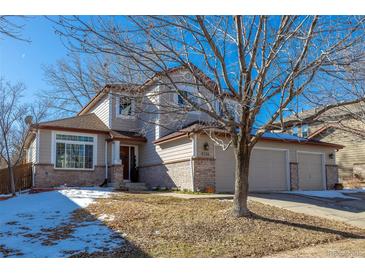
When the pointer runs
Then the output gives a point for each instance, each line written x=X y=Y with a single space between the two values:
x=269 y=170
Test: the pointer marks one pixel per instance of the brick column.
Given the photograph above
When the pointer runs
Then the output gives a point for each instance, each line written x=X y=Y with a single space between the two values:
x=116 y=175
x=204 y=174
x=294 y=176
x=331 y=176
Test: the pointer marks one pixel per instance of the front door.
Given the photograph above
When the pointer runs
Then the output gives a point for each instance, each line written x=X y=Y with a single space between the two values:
x=128 y=157
x=125 y=156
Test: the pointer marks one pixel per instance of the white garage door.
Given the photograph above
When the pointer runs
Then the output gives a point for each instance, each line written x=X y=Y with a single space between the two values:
x=310 y=169
x=268 y=170
x=224 y=169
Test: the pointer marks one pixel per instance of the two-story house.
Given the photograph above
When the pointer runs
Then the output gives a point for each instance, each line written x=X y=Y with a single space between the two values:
x=111 y=140
x=341 y=125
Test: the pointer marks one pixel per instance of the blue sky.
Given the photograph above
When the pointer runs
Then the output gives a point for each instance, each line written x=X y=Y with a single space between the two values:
x=22 y=61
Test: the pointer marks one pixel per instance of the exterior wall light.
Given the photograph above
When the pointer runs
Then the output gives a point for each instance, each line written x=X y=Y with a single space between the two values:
x=206 y=146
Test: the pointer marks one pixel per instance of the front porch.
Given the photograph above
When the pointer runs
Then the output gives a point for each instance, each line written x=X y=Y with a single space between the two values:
x=122 y=167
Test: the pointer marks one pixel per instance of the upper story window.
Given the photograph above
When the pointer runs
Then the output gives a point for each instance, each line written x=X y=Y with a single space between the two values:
x=189 y=92
x=125 y=106
x=305 y=131
x=74 y=151
x=218 y=108
x=295 y=131
x=232 y=110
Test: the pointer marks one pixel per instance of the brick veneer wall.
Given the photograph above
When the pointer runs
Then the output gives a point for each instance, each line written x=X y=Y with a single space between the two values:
x=331 y=176
x=294 y=176
x=204 y=174
x=174 y=174
x=46 y=176
x=115 y=175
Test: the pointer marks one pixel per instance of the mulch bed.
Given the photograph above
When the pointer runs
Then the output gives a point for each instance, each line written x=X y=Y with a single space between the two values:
x=156 y=226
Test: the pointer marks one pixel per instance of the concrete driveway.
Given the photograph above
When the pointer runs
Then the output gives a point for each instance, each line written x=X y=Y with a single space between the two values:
x=349 y=209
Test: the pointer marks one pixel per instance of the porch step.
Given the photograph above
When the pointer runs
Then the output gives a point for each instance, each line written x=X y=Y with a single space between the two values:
x=113 y=185
x=136 y=186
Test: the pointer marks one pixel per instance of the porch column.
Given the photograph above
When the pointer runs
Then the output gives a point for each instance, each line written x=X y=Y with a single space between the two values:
x=116 y=168
x=116 y=153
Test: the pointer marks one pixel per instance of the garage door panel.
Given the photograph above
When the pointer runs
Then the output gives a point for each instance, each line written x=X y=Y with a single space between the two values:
x=310 y=171
x=268 y=170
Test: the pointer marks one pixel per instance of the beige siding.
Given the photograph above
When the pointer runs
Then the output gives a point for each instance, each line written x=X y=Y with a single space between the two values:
x=147 y=151
x=168 y=96
x=175 y=150
x=31 y=151
x=102 y=110
x=100 y=150
x=45 y=146
x=352 y=153
x=122 y=123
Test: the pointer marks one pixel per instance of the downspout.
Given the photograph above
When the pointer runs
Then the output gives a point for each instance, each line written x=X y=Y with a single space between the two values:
x=193 y=139
x=106 y=160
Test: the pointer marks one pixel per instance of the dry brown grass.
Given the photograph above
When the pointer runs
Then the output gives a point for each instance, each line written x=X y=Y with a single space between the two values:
x=156 y=226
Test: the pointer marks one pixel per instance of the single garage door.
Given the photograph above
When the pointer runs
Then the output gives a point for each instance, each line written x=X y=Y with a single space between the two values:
x=310 y=169
x=224 y=169
x=268 y=170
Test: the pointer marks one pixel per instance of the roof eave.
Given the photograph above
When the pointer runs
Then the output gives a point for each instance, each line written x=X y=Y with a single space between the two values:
x=71 y=129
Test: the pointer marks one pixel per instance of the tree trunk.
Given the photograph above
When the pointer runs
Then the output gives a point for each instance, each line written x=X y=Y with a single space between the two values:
x=242 y=154
x=10 y=168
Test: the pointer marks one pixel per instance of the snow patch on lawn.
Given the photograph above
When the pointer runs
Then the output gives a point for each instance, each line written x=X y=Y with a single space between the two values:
x=106 y=217
x=83 y=197
x=332 y=194
x=40 y=225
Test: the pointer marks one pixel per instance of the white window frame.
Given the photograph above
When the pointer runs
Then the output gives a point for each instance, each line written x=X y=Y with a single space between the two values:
x=53 y=149
x=117 y=106
x=305 y=128
x=196 y=98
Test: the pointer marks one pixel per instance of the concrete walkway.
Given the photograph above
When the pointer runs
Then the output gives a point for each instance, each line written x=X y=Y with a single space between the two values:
x=349 y=210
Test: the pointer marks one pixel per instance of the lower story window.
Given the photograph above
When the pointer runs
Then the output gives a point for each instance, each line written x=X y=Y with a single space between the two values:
x=74 y=155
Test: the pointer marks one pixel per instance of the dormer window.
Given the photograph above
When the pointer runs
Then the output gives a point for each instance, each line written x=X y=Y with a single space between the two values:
x=125 y=106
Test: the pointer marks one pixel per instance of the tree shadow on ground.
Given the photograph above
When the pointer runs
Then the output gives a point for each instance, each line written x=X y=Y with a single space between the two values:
x=347 y=205
x=310 y=227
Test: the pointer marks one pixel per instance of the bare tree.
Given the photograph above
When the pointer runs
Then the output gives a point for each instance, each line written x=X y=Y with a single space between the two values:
x=256 y=67
x=11 y=114
x=11 y=29
x=73 y=82
x=76 y=79
x=13 y=125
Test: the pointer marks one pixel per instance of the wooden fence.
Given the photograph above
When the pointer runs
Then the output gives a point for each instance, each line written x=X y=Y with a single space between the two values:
x=22 y=176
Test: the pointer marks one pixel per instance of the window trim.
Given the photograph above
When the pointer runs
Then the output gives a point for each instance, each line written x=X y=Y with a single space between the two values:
x=117 y=105
x=54 y=142
x=198 y=101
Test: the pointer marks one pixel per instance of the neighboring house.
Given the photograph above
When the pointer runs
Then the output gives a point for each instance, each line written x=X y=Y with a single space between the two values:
x=109 y=140
x=344 y=126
